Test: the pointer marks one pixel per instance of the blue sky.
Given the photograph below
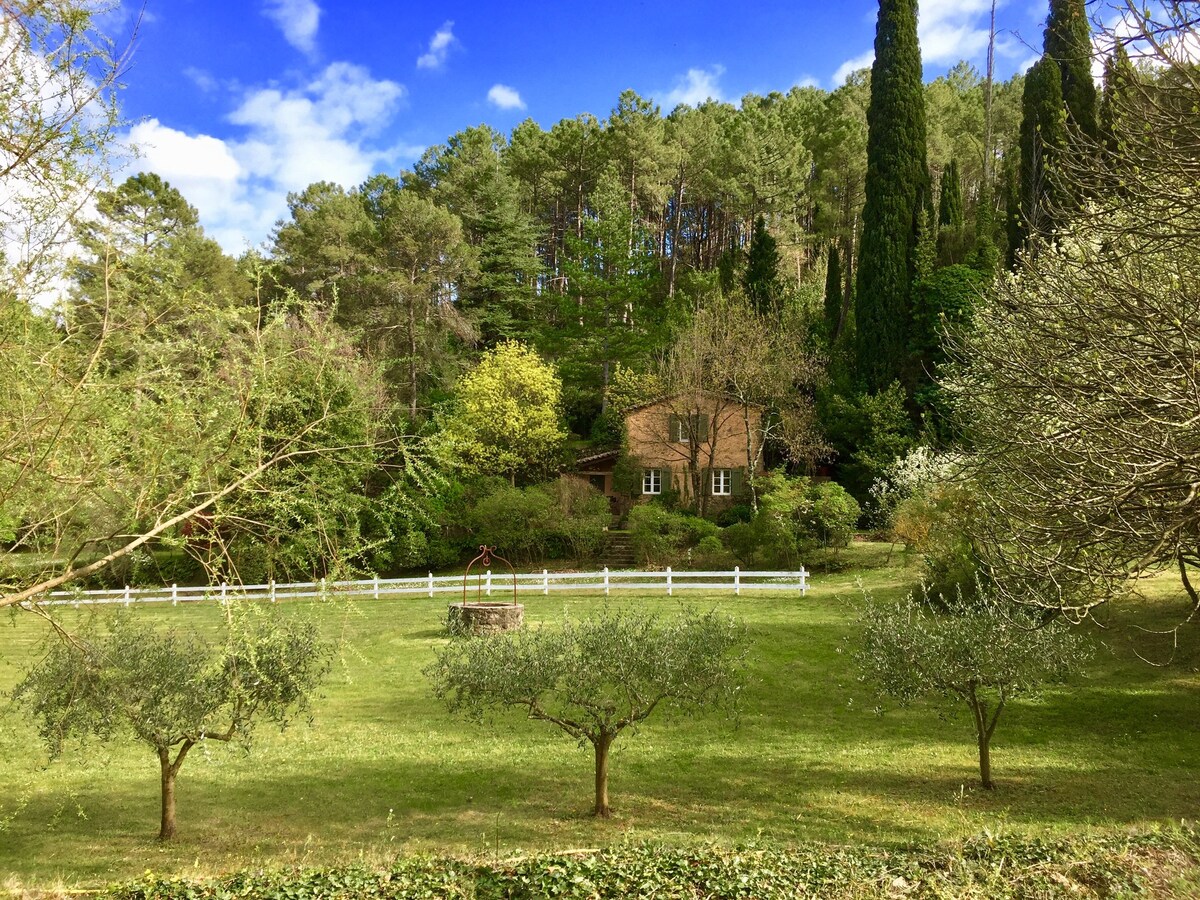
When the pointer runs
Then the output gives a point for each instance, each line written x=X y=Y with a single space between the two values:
x=237 y=103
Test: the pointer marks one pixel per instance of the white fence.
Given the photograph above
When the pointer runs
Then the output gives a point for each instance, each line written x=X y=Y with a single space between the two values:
x=498 y=584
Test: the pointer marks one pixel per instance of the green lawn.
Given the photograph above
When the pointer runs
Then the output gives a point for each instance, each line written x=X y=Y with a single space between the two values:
x=382 y=770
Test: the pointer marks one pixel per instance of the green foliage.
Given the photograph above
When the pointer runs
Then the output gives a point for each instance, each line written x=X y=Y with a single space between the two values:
x=833 y=294
x=597 y=678
x=798 y=515
x=564 y=519
x=993 y=864
x=942 y=306
x=1068 y=41
x=1043 y=141
x=953 y=240
x=661 y=536
x=761 y=277
x=506 y=420
x=868 y=432
x=171 y=691
x=898 y=194
x=980 y=653
x=710 y=555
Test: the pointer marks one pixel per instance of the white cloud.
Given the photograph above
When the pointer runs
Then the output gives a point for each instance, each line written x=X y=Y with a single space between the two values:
x=694 y=88
x=850 y=66
x=298 y=20
x=808 y=81
x=322 y=130
x=202 y=79
x=949 y=30
x=504 y=97
x=439 y=48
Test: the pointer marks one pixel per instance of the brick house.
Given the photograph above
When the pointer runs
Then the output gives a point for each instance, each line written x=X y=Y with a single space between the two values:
x=695 y=445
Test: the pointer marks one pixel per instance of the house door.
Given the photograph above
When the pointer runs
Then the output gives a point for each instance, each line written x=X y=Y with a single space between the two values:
x=597 y=481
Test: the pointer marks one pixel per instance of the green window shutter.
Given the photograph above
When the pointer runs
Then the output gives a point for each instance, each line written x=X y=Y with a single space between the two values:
x=739 y=481
x=666 y=477
x=703 y=436
x=672 y=427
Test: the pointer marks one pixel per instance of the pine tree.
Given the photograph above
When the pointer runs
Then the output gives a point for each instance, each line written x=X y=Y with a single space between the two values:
x=761 y=279
x=833 y=294
x=897 y=189
x=1068 y=42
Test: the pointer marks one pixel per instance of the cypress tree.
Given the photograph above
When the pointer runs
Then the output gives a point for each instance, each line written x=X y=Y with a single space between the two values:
x=1119 y=77
x=1068 y=41
x=950 y=203
x=951 y=236
x=761 y=279
x=833 y=294
x=1043 y=139
x=897 y=189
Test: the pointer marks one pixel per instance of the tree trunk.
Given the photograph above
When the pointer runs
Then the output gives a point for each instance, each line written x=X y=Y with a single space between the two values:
x=602 y=745
x=985 y=762
x=412 y=361
x=166 y=829
x=983 y=734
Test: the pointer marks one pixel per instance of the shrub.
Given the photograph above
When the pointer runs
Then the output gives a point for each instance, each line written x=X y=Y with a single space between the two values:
x=583 y=514
x=798 y=515
x=561 y=519
x=710 y=554
x=661 y=536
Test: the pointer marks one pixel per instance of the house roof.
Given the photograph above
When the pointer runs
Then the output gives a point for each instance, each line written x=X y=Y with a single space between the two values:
x=666 y=397
x=597 y=457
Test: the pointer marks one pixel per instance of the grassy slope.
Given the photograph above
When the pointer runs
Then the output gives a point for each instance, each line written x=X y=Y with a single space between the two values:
x=383 y=770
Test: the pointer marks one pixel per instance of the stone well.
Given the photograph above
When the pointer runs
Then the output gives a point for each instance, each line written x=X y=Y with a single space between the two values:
x=486 y=618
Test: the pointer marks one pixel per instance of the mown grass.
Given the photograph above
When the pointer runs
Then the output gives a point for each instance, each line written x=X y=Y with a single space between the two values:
x=383 y=770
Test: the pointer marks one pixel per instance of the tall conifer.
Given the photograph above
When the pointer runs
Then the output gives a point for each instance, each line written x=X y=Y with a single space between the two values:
x=1068 y=41
x=897 y=188
x=833 y=294
x=1043 y=139
x=761 y=279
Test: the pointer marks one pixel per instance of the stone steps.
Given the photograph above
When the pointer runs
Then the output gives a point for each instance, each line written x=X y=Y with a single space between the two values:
x=618 y=550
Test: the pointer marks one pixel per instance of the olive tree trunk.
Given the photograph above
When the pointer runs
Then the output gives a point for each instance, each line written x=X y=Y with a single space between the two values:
x=983 y=734
x=602 y=745
x=166 y=829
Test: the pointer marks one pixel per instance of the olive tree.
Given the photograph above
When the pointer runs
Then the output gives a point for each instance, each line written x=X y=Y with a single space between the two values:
x=597 y=678
x=170 y=690
x=979 y=654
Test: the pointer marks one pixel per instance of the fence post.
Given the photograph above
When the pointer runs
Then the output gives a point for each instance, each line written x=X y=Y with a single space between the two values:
x=430 y=584
x=489 y=582
x=737 y=581
x=668 y=581
x=175 y=595
x=126 y=595
x=606 y=581
x=803 y=582
x=546 y=582
x=322 y=587
x=272 y=584
x=376 y=594
x=223 y=586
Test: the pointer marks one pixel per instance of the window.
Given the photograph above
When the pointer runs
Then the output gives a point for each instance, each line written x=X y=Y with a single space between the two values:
x=652 y=481
x=722 y=482
x=684 y=428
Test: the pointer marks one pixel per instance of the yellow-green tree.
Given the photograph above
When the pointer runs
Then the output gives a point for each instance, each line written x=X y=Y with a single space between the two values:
x=507 y=419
